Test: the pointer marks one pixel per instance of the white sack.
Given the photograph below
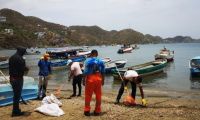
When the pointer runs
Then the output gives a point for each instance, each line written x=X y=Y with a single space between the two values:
x=51 y=99
x=50 y=109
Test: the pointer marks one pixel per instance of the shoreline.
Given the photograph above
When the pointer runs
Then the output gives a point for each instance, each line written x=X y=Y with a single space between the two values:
x=160 y=106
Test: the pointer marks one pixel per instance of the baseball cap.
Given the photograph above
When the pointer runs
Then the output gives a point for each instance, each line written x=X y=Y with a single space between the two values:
x=69 y=61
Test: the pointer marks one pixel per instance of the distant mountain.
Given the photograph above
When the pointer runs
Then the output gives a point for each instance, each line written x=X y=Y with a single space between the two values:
x=180 y=39
x=31 y=31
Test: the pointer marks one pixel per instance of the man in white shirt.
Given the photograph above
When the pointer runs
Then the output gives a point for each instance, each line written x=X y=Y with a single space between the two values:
x=135 y=80
x=76 y=74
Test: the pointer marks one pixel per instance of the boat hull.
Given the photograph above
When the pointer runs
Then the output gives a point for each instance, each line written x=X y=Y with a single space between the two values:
x=195 y=71
x=4 y=64
x=125 y=50
x=29 y=91
x=194 y=66
x=59 y=64
x=144 y=69
x=111 y=66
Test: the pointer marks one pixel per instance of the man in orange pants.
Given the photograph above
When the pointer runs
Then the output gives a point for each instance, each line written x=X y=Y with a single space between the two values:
x=94 y=79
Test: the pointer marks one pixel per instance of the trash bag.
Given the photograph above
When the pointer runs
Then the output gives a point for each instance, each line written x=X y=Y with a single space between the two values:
x=129 y=101
x=50 y=109
x=51 y=99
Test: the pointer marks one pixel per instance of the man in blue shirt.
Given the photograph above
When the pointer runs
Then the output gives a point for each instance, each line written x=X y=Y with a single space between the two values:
x=44 y=71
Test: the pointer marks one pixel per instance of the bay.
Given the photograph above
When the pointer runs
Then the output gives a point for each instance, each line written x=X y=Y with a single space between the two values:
x=176 y=75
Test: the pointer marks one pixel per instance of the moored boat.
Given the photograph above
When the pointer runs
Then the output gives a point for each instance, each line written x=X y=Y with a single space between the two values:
x=29 y=91
x=58 y=64
x=194 y=66
x=125 y=49
x=111 y=66
x=106 y=59
x=32 y=52
x=4 y=64
x=165 y=54
x=144 y=69
x=83 y=52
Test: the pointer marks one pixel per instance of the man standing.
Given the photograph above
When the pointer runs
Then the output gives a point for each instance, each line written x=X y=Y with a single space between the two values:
x=76 y=74
x=17 y=67
x=44 y=70
x=132 y=77
x=94 y=79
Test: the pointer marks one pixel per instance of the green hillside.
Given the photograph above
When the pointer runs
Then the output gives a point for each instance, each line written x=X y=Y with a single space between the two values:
x=31 y=31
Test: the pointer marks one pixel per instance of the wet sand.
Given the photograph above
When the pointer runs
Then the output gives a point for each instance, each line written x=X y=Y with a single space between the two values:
x=165 y=105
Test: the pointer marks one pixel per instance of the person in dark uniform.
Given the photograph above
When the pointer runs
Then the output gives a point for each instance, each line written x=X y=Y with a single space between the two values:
x=17 y=67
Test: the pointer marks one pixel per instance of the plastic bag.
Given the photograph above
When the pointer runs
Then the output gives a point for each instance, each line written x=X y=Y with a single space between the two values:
x=50 y=109
x=51 y=99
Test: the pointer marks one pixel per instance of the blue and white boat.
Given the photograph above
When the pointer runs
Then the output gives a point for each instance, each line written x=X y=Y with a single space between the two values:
x=111 y=66
x=58 y=64
x=29 y=91
x=78 y=58
x=4 y=64
x=194 y=66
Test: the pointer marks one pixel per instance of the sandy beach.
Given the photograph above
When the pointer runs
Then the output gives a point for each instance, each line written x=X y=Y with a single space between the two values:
x=165 y=105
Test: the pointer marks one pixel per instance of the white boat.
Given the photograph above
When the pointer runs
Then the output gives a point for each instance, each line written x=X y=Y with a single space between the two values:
x=125 y=49
x=106 y=59
x=4 y=64
x=165 y=54
x=83 y=52
x=111 y=66
x=29 y=91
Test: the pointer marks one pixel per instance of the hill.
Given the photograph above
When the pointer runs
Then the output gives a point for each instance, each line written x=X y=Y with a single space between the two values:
x=31 y=31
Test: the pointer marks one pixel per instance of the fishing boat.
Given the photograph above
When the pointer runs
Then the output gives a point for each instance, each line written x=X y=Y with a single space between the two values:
x=76 y=55
x=194 y=66
x=144 y=69
x=119 y=63
x=106 y=59
x=125 y=49
x=78 y=58
x=32 y=52
x=58 y=64
x=4 y=64
x=83 y=52
x=29 y=91
x=165 y=54
x=111 y=66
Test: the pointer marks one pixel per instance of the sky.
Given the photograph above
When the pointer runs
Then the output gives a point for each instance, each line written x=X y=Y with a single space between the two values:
x=165 y=18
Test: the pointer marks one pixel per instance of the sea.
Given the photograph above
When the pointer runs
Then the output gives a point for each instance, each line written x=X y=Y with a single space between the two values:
x=176 y=76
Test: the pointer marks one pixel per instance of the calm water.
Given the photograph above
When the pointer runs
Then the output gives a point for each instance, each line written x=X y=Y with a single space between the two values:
x=176 y=75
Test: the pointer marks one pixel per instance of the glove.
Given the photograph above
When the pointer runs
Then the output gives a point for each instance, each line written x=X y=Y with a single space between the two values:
x=144 y=102
x=125 y=88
